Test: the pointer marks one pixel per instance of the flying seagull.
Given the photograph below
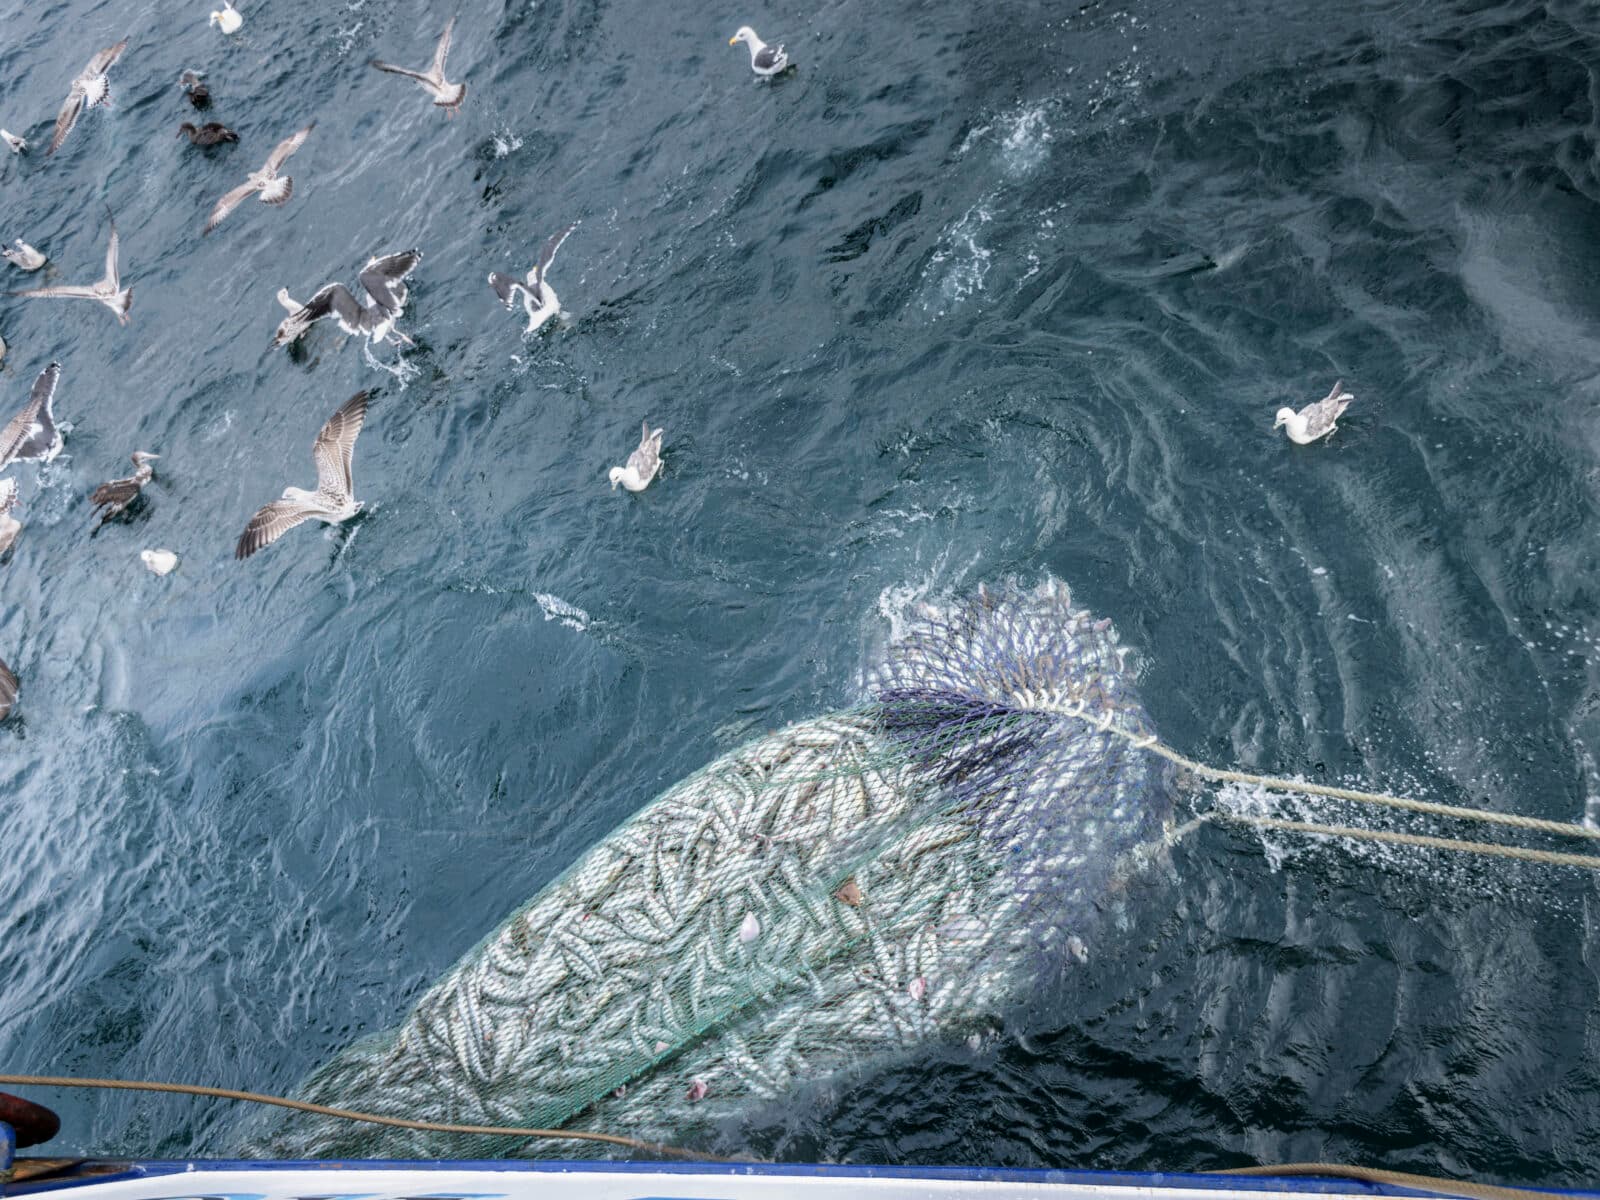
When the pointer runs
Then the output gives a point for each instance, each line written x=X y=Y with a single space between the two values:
x=538 y=297
x=8 y=691
x=112 y=499
x=1315 y=420
x=384 y=281
x=644 y=464
x=89 y=88
x=274 y=189
x=446 y=95
x=109 y=291
x=32 y=435
x=20 y=254
x=333 y=501
x=9 y=525
x=765 y=60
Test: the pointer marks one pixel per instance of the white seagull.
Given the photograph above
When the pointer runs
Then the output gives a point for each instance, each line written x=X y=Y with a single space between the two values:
x=538 y=297
x=333 y=501
x=32 y=435
x=226 y=18
x=274 y=188
x=384 y=281
x=765 y=60
x=16 y=144
x=89 y=88
x=109 y=291
x=1315 y=420
x=644 y=464
x=20 y=254
x=446 y=95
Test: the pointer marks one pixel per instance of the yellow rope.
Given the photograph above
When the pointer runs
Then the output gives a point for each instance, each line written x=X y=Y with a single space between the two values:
x=1477 y=1191
x=190 y=1089
x=1556 y=858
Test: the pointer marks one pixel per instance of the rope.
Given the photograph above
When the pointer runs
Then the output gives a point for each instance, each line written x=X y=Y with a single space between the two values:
x=191 y=1089
x=1477 y=1191
x=1556 y=858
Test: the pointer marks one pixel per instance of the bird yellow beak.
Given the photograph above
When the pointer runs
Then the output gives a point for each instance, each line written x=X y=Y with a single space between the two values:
x=733 y=41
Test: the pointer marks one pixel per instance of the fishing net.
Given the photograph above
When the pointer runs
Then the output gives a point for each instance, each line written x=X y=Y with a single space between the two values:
x=842 y=889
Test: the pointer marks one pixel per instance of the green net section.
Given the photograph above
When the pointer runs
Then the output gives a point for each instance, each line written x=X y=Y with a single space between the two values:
x=844 y=888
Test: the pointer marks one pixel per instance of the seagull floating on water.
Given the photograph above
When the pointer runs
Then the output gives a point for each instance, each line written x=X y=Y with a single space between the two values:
x=538 y=297
x=384 y=281
x=159 y=561
x=32 y=435
x=226 y=18
x=446 y=95
x=193 y=83
x=212 y=133
x=333 y=501
x=90 y=88
x=20 y=254
x=15 y=144
x=1315 y=420
x=112 y=499
x=765 y=60
x=274 y=189
x=108 y=291
x=644 y=464
x=9 y=525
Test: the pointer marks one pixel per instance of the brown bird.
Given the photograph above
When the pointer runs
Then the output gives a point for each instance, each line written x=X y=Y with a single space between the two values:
x=199 y=93
x=112 y=499
x=212 y=133
x=8 y=691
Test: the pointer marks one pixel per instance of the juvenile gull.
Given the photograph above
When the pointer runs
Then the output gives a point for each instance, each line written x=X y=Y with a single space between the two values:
x=538 y=297
x=9 y=525
x=108 y=291
x=8 y=691
x=112 y=499
x=192 y=83
x=333 y=501
x=212 y=133
x=765 y=60
x=32 y=435
x=1315 y=420
x=20 y=254
x=14 y=143
x=446 y=95
x=274 y=189
x=89 y=88
x=226 y=18
x=384 y=281
x=644 y=464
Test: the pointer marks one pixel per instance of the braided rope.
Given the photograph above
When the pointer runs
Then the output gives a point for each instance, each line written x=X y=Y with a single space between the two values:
x=1588 y=862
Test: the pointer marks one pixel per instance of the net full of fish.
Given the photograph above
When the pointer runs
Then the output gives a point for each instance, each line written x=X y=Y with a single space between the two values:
x=844 y=888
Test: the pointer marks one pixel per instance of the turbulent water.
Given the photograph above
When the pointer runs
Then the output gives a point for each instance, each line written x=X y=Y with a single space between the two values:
x=979 y=290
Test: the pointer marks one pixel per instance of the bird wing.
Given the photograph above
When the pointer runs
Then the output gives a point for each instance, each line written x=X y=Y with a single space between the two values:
x=548 y=254
x=8 y=691
x=111 y=498
x=269 y=524
x=646 y=460
x=336 y=444
x=62 y=291
x=1319 y=417
x=320 y=305
x=406 y=71
x=65 y=120
x=767 y=57
x=8 y=495
x=227 y=204
x=111 y=257
x=506 y=287
x=442 y=49
x=102 y=62
x=30 y=433
x=281 y=152
x=384 y=279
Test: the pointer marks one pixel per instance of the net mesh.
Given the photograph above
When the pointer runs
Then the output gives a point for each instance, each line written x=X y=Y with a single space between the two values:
x=844 y=888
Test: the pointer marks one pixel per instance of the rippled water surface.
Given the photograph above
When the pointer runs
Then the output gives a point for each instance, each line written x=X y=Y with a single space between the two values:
x=979 y=290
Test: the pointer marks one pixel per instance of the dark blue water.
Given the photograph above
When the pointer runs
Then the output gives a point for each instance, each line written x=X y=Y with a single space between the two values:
x=979 y=290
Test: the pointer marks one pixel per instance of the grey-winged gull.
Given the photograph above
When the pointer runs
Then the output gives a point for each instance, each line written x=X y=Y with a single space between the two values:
x=765 y=60
x=333 y=501
x=1315 y=420
x=446 y=95
x=538 y=297
x=112 y=499
x=108 y=291
x=32 y=435
x=644 y=464
x=89 y=89
x=384 y=281
x=274 y=188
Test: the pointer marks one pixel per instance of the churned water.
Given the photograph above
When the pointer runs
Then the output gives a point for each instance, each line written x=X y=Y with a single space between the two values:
x=980 y=289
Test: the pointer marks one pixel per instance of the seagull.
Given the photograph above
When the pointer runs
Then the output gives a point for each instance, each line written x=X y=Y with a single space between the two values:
x=384 y=281
x=274 y=189
x=13 y=142
x=199 y=93
x=9 y=525
x=226 y=18
x=159 y=561
x=644 y=464
x=32 y=435
x=108 y=291
x=446 y=95
x=20 y=254
x=333 y=501
x=212 y=133
x=1315 y=420
x=765 y=60
x=8 y=691
x=538 y=297
x=90 y=89
x=112 y=499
